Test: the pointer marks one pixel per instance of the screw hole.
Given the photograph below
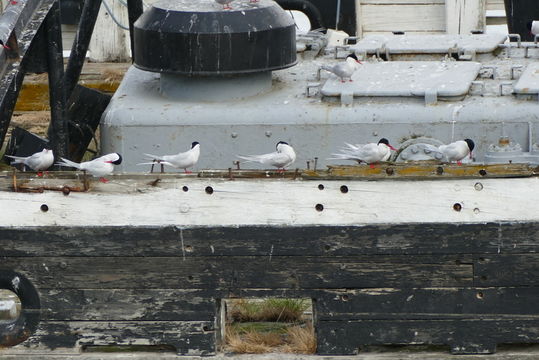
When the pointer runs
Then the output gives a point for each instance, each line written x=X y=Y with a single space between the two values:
x=458 y=262
x=320 y=187
x=390 y=171
x=344 y=189
x=186 y=189
x=344 y=297
x=327 y=247
x=44 y=208
x=190 y=277
x=482 y=172
x=480 y=295
x=457 y=207
x=481 y=259
x=188 y=248
x=483 y=277
x=319 y=207
x=66 y=190
x=209 y=190
x=439 y=170
x=206 y=328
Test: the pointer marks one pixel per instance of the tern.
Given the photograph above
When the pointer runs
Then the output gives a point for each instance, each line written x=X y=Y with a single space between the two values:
x=101 y=166
x=533 y=27
x=368 y=153
x=344 y=69
x=183 y=160
x=455 y=151
x=281 y=159
x=39 y=161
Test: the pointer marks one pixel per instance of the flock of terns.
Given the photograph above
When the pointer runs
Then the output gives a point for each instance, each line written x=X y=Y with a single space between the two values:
x=283 y=156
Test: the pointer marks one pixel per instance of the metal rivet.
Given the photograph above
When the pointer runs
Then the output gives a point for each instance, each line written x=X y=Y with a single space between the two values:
x=319 y=207
x=439 y=170
x=268 y=133
x=344 y=189
x=482 y=172
x=188 y=248
x=457 y=207
x=209 y=190
x=480 y=295
x=185 y=188
x=320 y=187
x=63 y=265
x=44 y=208
x=66 y=190
x=476 y=211
x=478 y=186
x=344 y=297
x=234 y=135
x=390 y=171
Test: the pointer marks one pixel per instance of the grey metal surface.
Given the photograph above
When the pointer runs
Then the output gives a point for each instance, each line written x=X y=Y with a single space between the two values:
x=141 y=120
x=428 y=44
x=528 y=83
x=407 y=78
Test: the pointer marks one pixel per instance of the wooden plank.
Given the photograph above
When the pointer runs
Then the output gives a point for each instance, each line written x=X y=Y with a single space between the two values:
x=403 y=17
x=428 y=303
x=364 y=202
x=109 y=41
x=463 y=16
x=495 y=5
x=128 y=305
x=262 y=240
x=506 y=270
x=189 y=338
x=244 y=272
x=463 y=336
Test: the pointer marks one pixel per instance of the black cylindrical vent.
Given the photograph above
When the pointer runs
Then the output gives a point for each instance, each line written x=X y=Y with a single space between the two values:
x=201 y=38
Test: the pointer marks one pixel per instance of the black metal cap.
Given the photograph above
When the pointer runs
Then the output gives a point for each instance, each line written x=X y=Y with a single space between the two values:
x=201 y=38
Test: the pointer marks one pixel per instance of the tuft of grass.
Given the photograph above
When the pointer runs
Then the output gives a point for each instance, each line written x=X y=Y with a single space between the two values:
x=279 y=310
x=113 y=75
x=301 y=340
x=296 y=339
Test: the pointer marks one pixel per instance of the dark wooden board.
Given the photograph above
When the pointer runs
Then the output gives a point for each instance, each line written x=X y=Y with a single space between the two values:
x=506 y=270
x=193 y=338
x=462 y=336
x=431 y=303
x=244 y=272
x=278 y=241
x=128 y=304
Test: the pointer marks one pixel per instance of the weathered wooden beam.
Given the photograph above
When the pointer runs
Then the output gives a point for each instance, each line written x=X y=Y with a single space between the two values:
x=245 y=272
x=473 y=336
x=189 y=242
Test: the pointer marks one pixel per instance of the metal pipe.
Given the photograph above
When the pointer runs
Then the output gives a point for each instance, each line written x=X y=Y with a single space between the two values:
x=337 y=16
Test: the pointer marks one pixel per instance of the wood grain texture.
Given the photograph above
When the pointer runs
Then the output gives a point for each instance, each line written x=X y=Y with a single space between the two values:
x=249 y=272
x=428 y=303
x=119 y=241
x=188 y=338
x=428 y=201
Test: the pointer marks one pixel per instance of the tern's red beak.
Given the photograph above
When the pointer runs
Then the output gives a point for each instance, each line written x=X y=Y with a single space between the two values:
x=108 y=162
x=359 y=62
x=6 y=47
x=392 y=148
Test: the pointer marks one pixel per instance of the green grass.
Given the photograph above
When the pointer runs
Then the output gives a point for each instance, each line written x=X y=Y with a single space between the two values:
x=277 y=310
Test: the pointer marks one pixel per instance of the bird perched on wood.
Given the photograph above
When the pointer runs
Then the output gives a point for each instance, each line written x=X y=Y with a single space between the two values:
x=281 y=159
x=344 y=69
x=101 y=166
x=225 y=3
x=183 y=160
x=39 y=161
x=455 y=151
x=368 y=153
x=533 y=27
